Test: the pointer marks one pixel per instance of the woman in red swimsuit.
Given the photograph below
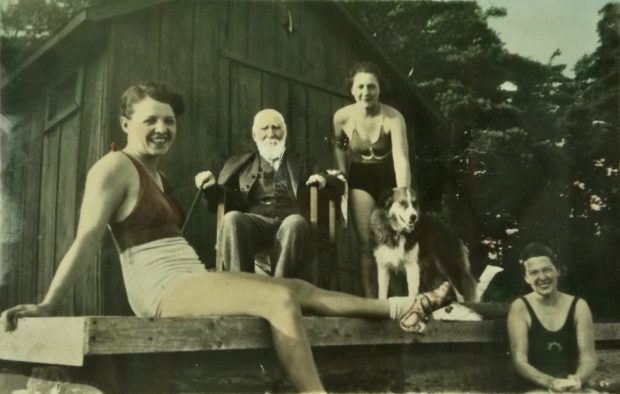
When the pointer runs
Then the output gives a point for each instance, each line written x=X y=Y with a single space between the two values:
x=162 y=273
x=373 y=153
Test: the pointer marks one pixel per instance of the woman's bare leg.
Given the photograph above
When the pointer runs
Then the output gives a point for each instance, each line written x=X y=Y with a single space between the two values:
x=362 y=205
x=248 y=294
x=334 y=303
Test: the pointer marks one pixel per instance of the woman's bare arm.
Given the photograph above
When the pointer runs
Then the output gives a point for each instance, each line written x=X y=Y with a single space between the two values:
x=400 y=150
x=585 y=341
x=340 y=150
x=104 y=192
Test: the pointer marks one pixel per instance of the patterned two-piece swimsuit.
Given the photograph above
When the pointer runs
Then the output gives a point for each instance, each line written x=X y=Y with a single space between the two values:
x=371 y=166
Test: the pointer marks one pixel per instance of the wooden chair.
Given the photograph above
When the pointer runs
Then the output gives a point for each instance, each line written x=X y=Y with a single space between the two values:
x=323 y=217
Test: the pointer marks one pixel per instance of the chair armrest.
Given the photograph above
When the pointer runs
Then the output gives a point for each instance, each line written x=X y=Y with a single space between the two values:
x=219 y=214
x=314 y=206
x=333 y=200
x=214 y=195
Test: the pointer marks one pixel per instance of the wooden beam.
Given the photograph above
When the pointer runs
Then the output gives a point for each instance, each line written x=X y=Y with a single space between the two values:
x=269 y=69
x=607 y=331
x=66 y=340
x=113 y=335
x=57 y=340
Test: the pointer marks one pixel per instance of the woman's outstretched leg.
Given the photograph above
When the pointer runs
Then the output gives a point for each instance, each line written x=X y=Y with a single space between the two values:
x=226 y=294
x=334 y=303
x=407 y=310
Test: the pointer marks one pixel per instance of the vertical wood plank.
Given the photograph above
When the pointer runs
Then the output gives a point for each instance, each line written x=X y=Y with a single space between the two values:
x=245 y=102
x=337 y=53
x=12 y=188
x=127 y=63
x=298 y=124
x=238 y=27
x=225 y=104
x=224 y=101
x=313 y=45
x=288 y=43
x=261 y=30
x=153 y=31
x=208 y=36
x=66 y=206
x=176 y=65
x=47 y=213
x=319 y=127
x=208 y=98
x=92 y=147
x=176 y=47
x=31 y=234
x=275 y=94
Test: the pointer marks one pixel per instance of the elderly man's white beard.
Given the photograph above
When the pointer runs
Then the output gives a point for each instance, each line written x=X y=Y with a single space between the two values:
x=271 y=149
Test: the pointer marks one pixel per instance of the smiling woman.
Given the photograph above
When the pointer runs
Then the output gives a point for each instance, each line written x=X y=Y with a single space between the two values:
x=152 y=116
x=551 y=332
x=372 y=150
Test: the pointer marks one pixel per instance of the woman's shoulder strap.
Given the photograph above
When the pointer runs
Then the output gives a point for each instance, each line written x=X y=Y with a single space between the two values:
x=573 y=305
x=527 y=305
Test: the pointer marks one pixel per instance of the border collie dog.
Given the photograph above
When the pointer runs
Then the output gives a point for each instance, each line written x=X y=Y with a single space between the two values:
x=406 y=239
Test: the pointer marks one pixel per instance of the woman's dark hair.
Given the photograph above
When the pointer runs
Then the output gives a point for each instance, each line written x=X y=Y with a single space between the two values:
x=154 y=90
x=535 y=249
x=364 y=67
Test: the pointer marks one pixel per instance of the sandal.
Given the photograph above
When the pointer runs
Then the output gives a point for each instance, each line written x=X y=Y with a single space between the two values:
x=423 y=305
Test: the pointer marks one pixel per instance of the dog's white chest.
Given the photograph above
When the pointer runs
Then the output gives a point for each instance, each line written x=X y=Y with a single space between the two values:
x=397 y=257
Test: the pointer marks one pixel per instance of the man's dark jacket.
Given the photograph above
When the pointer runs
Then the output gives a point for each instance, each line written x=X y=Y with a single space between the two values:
x=240 y=172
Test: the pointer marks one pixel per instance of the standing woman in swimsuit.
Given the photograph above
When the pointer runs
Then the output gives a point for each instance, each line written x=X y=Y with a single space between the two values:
x=162 y=273
x=373 y=153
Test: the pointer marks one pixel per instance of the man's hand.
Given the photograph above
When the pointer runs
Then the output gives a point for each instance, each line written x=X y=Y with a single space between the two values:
x=204 y=180
x=316 y=180
x=10 y=316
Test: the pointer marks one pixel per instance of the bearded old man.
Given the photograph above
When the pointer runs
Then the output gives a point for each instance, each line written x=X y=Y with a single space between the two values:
x=266 y=200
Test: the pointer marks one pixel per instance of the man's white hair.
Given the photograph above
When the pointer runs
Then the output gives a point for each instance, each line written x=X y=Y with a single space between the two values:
x=268 y=111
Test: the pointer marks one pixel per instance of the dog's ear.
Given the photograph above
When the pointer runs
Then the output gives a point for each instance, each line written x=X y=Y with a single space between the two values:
x=386 y=198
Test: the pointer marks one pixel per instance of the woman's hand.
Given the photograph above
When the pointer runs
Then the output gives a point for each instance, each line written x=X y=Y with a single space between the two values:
x=204 y=180
x=10 y=316
x=575 y=378
x=563 y=385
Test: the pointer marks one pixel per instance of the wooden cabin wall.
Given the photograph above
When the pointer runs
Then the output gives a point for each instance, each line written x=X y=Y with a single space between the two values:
x=15 y=172
x=229 y=60
x=49 y=169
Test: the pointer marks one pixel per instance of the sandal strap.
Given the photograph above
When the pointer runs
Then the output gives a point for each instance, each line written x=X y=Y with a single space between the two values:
x=416 y=309
x=426 y=304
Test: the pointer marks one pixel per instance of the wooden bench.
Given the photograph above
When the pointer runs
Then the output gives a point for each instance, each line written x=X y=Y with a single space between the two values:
x=233 y=353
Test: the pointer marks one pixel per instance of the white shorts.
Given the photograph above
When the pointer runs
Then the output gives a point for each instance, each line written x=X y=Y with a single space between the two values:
x=150 y=269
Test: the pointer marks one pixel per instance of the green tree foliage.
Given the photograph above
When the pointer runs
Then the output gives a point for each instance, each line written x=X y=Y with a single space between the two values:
x=26 y=24
x=591 y=125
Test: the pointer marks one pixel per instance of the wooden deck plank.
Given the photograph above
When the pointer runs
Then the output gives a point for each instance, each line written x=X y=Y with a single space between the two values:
x=607 y=331
x=113 y=335
x=65 y=340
